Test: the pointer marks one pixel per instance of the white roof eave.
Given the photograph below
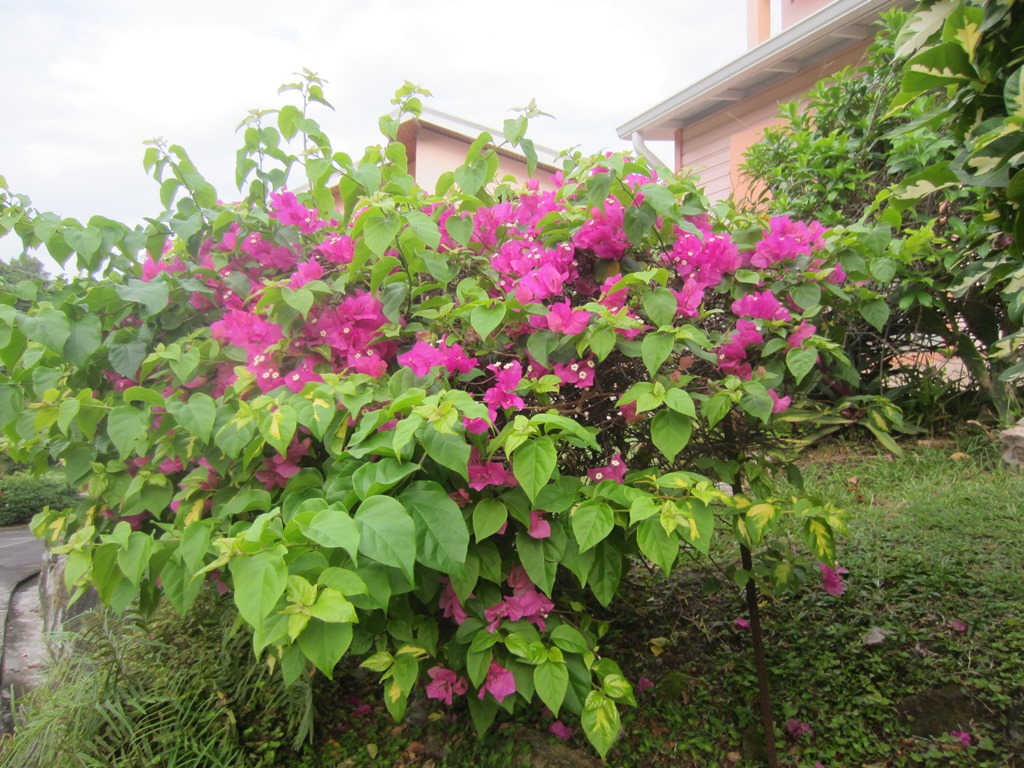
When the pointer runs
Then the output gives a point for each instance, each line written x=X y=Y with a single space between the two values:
x=811 y=41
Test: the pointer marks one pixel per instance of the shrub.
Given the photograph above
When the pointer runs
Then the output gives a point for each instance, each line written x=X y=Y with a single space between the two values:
x=23 y=496
x=429 y=431
x=934 y=268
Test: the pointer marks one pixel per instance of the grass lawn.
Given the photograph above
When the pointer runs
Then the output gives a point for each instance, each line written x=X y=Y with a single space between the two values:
x=931 y=624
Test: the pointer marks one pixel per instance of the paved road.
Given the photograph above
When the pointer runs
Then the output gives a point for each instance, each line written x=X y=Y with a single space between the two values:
x=21 y=556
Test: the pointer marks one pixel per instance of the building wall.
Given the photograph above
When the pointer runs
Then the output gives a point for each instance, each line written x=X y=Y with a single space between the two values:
x=713 y=148
x=437 y=153
x=794 y=11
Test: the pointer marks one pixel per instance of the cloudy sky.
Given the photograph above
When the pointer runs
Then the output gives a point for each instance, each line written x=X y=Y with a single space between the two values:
x=87 y=81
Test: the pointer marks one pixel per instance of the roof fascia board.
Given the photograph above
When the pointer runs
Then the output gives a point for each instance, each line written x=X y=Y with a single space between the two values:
x=777 y=55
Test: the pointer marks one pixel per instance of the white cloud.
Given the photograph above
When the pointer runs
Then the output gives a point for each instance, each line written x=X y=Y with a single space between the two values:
x=91 y=81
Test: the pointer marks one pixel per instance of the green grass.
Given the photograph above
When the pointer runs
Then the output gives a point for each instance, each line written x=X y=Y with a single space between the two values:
x=935 y=540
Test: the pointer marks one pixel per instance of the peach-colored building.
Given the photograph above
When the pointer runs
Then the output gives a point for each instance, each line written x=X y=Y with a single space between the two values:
x=437 y=142
x=713 y=121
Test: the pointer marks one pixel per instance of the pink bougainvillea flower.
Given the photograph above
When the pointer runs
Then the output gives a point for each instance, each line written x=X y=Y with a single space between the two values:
x=560 y=730
x=763 y=305
x=483 y=474
x=629 y=413
x=562 y=318
x=449 y=603
x=423 y=356
x=278 y=469
x=644 y=684
x=525 y=603
x=304 y=273
x=286 y=208
x=444 y=683
x=797 y=730
x=779 y=404
x=741 y=623
x=962 y=736
x=615 y=469
x=689 y=299
x=786 y=240
x=603 y=232
x=539 y=527
x=476 y=426
x=153 y=267
x=704 y=259
x=579 y=373
x=337 y=249
x=502 y=394
x=499 y=683
x=612 y=295
x=831 y=581
x=802 y=332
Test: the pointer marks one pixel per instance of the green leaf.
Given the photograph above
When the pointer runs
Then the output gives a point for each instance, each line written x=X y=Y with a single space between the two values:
x=569 y=639
x=600 y=720
x=670 y=432
x=533 y=463
x=195 y=544
x=388 y=534
x=197 y=414
x=451 y=451
x=49 y=327
x=126 y=426
x=936 y=67
x=680 y=401
x=806 y=295
x=442 y=537
x=485 y=319
x=379 y=233
x=277 y=424
x=425 y=228
x=551 y=679
x=638 y=221
x=488 y=517
x=300 y=300
x=876 y=312
x=883 y=270
x=334 y=528
x=660 y=305
x=698 y=526
x=800 y=362
x=541 y=557
x=819 y=539
x=661 y=199
x=374 y=478
x=11 y=400
x=83 y=340
x=592 y=521
x=655 y=350
x=332 y=607
x=657 y=545
x=259 y=581
x=460 y=229
x=606 y=573
x=324 y=644
x=134 y=559
x=153 y=295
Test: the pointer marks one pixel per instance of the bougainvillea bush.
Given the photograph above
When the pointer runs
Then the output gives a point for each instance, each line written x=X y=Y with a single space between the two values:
x=428 y=431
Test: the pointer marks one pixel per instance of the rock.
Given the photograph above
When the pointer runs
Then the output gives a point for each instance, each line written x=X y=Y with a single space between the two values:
x=876 y=636
x=1013 y=444
x=938 y=711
